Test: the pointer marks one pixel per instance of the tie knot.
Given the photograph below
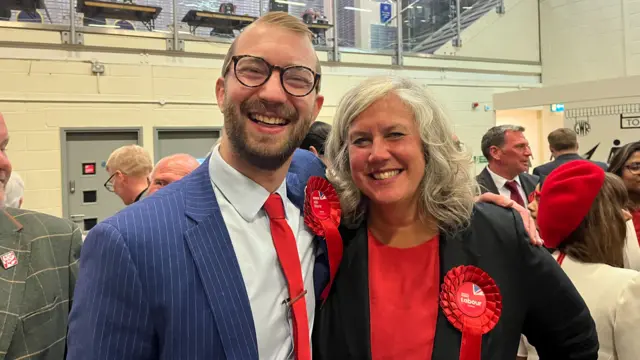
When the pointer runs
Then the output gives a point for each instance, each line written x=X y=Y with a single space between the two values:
x=274 y=207
x=512 y=185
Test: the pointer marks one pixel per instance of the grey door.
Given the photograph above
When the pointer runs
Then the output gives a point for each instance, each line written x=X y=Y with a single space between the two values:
x=195 y=142
x=88 y=201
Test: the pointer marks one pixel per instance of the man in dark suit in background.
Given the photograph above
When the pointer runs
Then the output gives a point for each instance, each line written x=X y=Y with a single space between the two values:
x=508 y=152
x=563 y=144
x=39 y=257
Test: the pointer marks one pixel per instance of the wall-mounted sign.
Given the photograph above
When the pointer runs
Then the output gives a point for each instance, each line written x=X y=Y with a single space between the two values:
x=582 y=126
x=557 y=107
x=480 y=159
x=629 y=122
x=385 y=12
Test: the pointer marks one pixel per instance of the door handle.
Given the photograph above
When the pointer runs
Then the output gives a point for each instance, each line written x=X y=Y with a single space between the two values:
x=72 y=187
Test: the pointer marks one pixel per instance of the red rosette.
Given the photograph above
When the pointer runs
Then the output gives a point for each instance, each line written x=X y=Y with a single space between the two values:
x=321 y=203
x=471 y=301
x=322 y=215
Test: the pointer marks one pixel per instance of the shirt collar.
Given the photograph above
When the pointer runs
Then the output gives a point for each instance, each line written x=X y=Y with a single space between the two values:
x=500 y=181
x=244 y=194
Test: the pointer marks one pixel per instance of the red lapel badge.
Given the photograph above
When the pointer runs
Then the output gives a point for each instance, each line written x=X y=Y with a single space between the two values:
x=471 y=301
x=9 y=260
x=322 y=215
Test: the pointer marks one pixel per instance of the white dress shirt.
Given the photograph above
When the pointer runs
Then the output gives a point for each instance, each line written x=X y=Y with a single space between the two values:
x=613 y=298
x=503 y=190
x=241 y=200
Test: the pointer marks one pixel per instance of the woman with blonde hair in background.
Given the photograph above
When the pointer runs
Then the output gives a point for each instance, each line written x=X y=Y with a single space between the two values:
x=579 y=213
x=426 y=273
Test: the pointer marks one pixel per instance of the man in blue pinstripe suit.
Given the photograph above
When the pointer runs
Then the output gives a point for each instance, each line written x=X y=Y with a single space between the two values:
x=191 y=272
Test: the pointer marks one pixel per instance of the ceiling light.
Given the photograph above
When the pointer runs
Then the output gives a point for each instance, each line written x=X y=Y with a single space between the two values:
x=356 y=9
x=290 y=3
x=104 y=26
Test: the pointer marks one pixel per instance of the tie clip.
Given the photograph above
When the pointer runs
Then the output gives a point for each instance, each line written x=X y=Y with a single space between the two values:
x=291 y=302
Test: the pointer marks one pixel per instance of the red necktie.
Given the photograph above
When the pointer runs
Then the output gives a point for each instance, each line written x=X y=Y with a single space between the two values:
x=287 y=250
x=515 y=193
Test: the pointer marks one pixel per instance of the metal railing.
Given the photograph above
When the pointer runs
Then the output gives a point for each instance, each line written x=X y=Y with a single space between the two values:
x=389 y=26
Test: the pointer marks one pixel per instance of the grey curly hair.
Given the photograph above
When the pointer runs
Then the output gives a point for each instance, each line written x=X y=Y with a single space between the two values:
x=447 y=189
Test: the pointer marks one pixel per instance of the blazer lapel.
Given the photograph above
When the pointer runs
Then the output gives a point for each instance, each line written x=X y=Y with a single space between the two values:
x=454 y=251
x=13 y=281
x=356 y=314
x=486 y=182
x=218 y=267
x=528 y=184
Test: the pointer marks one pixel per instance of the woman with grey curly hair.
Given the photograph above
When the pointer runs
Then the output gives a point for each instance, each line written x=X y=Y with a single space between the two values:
x=422 y=262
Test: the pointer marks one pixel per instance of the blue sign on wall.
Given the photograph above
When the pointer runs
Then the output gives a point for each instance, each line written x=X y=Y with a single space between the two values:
x=385 y=12
x=557 y=107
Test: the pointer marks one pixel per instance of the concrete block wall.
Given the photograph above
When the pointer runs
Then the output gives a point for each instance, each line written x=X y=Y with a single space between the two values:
x=48 y=89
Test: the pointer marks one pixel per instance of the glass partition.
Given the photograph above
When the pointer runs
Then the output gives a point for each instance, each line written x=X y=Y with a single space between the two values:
x=216 y=20
x=367 y=25
x=223 y=21
x=34 y=12
x=422 y=19
x=129 y=15
x=432 y=23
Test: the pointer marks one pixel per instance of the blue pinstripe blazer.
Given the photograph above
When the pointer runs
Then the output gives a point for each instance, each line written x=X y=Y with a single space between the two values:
x=160 y=279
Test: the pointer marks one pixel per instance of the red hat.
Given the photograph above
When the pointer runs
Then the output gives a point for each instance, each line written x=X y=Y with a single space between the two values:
x=566 y=199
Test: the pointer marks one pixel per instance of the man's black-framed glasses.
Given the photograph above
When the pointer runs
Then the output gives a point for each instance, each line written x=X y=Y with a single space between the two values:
x=109 y=183
x=253 y=71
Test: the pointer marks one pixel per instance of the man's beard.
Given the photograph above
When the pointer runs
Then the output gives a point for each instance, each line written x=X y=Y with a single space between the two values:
x=254 y=151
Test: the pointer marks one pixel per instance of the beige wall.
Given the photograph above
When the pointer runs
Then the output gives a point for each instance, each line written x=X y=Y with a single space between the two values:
x=531 y=120
x=513 y=35
x=538 y=122
x=585 y=40
x=46 y=87
x=550 y=121
x=602 y=97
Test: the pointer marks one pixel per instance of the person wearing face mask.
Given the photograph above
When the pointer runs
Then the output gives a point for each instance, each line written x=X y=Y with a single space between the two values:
x=580 y=215
x=219 y=265
x=428 y=273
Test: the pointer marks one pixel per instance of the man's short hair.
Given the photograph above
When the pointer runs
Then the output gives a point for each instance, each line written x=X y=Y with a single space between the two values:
x=496 y=137
x=14 y=191
x=563 y=139
x=278 y=19
x=316 y=137
x=131 y=160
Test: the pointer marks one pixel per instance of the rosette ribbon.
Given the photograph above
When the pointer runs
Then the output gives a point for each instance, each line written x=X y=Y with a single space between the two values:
x=322 y=215
x=471 y=301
